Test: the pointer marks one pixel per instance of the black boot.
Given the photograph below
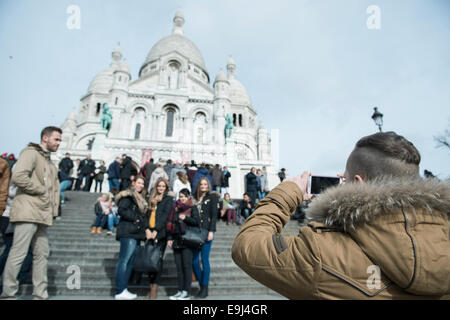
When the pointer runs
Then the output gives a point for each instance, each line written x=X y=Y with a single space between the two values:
x=203 y=292
x=200 y=292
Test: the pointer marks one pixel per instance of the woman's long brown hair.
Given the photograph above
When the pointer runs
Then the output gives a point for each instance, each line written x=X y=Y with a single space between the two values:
x=182 y=177
x=198 y=193
x=144 y=191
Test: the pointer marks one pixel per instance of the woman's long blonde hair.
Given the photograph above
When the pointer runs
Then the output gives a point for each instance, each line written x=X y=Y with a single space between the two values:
x=108 y=197
x=154 y=191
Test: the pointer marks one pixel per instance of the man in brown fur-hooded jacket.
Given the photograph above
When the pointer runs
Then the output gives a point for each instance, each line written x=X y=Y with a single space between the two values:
x=383 y=234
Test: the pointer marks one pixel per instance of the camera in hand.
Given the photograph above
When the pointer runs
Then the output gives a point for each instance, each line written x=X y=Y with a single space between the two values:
x=320 y=183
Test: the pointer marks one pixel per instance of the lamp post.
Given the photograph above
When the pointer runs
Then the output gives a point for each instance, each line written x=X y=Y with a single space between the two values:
x=377 y=118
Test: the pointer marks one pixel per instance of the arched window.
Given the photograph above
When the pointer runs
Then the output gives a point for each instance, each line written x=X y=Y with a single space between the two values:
x=240 y=120
x=97 y=111
x=173 y=77
x=138 y=120
x=200 y=127
x=169 y=124
x=137 y=131
x=234 y=119
x=117 y=101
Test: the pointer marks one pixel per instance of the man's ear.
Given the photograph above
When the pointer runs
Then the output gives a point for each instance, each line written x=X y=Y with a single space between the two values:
x=358 y=178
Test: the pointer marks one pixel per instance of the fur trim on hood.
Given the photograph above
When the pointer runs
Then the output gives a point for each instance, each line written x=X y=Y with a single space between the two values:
x=350 y=205
x=38 y=148
x=123 y=194
x=217 y=194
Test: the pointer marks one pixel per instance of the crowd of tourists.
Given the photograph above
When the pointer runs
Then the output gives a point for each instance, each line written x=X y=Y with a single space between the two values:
x=155 y=205
x=159 y=204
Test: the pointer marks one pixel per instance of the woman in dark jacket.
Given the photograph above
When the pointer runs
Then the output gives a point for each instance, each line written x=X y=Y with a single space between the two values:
x=181 y=216
x=133 y=227
x=161 y=201
x=206 y=205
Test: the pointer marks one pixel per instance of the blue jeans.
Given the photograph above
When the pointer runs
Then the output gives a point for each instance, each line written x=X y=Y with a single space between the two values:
x=247 y=212
x=63 y=186
x=98 y=184
x=113 y=220
x=101 y=221
x=261 y=195
x=113 y=183
x=202 y=275
x=127 y=254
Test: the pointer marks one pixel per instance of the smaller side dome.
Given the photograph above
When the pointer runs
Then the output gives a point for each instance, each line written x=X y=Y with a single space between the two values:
x=102 y=82
x=238 y=93
x=221 y=76
x=123 y=67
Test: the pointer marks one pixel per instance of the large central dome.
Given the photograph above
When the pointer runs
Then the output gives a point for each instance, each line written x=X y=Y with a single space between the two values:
x=176 y=42
x=179 y=43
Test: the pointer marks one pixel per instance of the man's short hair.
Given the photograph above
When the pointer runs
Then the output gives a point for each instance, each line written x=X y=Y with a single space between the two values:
x=47 y=131
x=383 y=154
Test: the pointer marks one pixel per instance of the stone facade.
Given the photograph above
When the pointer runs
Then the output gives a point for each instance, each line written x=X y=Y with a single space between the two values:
x=170 y=111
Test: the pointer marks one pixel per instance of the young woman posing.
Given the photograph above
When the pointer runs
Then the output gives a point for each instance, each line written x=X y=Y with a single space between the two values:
x=180 y=216
x=161 y=201
x=132 y=228
x=206 y=204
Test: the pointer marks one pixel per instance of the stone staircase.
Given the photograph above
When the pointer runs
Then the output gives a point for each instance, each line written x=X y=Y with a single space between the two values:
x=72 y=247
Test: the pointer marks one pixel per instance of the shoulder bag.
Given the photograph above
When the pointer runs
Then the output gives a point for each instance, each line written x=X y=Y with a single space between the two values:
x=194 y=236
x=149 y=257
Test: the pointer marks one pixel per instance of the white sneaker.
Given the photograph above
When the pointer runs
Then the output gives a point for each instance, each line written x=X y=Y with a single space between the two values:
x=176 y=295
x=184 y=296
x=125 y=295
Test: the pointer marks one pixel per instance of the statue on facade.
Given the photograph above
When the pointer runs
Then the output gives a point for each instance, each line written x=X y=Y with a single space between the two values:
x=228 y=126
x=106 y=118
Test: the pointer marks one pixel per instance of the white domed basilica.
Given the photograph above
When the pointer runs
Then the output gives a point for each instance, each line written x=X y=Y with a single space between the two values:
x=170 y=111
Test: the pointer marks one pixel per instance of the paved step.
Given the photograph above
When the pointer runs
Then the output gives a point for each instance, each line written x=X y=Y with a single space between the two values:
x=163 y=291
x=97 y=246
x=96 y=255
x=167 y=280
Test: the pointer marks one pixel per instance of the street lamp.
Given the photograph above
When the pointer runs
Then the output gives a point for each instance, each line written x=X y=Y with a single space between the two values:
x=377 y=118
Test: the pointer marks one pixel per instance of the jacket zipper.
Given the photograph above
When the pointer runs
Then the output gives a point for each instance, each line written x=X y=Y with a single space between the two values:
x=414 y=251
x=355 y=286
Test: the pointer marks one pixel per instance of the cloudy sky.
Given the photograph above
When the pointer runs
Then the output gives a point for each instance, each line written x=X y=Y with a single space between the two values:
x=313 y=68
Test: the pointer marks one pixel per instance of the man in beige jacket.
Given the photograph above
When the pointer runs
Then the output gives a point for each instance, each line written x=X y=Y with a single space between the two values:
x=383 y=234
x=32 y=211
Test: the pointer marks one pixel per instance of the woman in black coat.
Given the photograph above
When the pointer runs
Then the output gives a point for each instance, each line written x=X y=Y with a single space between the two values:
x=161 y=201
x=206 y=205
x=132 y=228
x=180 y=217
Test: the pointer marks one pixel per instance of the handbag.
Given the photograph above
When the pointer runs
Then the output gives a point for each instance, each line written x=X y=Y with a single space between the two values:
x=194 y=237
x=149 y=257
